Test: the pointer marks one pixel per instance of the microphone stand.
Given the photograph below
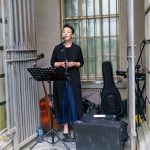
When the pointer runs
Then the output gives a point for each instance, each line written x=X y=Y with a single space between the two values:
x=67 y=78
x=66 y=89
x=66 y=69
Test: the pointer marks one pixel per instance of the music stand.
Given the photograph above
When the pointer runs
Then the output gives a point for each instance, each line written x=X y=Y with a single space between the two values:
x=49 y=74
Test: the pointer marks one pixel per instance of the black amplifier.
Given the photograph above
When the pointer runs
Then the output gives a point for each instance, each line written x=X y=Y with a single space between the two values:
x=100 y=133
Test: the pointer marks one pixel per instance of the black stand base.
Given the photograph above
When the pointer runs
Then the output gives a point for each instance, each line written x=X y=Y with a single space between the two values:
x=52 y=133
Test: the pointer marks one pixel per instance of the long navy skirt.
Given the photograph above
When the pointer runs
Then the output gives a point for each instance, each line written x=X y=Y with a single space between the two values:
x=68 y=112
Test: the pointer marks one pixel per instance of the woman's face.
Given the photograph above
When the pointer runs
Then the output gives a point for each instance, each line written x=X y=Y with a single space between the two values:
x=67 y=34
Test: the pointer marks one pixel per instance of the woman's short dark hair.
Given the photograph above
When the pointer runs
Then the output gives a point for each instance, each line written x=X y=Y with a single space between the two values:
x=69 y=26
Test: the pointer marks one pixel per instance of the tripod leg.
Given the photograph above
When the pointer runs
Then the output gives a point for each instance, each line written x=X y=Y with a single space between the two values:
x=54 y=133
x=61 y=140
x=53 y=137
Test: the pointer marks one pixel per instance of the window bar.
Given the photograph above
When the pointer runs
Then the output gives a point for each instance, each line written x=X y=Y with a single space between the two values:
x=94 y=42
x=101 y=30
x=79 y=21
x=87 y=23
x=117 y=37
x=81 y=34
x=62 y=13
x=72 y=21
x=109 y=30
x=77 y=24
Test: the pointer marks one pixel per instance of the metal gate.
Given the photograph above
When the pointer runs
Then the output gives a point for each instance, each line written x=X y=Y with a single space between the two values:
x=20 y=54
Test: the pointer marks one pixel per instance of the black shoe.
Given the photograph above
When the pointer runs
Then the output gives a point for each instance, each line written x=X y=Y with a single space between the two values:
x=66 y=135
x=68 y=138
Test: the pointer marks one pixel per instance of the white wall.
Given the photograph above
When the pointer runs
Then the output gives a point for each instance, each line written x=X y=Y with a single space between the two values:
x=139 y=28
x=48 y=34
x=47 y=21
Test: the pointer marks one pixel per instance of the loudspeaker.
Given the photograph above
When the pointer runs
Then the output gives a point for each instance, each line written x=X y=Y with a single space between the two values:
x=100 y=134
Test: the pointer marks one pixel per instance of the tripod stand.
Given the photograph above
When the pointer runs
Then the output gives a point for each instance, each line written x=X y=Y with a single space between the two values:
x=139 y=91
x=48 y=74
x=140 y=100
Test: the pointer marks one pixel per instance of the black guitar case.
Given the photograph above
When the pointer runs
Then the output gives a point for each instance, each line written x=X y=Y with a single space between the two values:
x=111 y=102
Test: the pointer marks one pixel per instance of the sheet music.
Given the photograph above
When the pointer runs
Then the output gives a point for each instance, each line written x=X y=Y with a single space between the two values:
x=47 y=74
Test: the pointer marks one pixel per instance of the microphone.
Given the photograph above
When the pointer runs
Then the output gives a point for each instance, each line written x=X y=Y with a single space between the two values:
x=40 y=56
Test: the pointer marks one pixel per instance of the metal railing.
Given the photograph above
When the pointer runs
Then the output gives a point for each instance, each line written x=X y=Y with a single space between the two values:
x=20 y=54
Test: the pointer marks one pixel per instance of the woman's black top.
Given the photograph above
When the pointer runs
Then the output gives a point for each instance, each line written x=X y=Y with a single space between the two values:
x=74 y=53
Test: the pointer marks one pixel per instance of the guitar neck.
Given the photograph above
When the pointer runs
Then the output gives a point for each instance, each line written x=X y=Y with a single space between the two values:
x=44 y=87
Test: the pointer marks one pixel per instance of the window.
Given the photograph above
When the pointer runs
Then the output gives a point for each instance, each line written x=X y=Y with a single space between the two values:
x=96 y=24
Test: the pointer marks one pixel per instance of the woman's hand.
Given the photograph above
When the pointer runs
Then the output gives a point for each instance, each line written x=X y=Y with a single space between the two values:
x=73 y=64
x=68 y=64
x=59 y=64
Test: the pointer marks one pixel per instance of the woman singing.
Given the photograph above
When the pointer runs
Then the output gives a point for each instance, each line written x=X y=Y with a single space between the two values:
x=68 y=57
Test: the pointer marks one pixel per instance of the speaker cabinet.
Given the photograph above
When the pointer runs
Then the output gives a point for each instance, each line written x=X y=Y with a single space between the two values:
x=100 y=134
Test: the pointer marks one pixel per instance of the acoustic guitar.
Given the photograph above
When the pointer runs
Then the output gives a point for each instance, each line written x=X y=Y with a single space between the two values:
x=48 y=120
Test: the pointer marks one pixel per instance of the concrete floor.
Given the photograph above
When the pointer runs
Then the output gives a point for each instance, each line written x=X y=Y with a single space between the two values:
x=46 y=144
x=59 y=145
